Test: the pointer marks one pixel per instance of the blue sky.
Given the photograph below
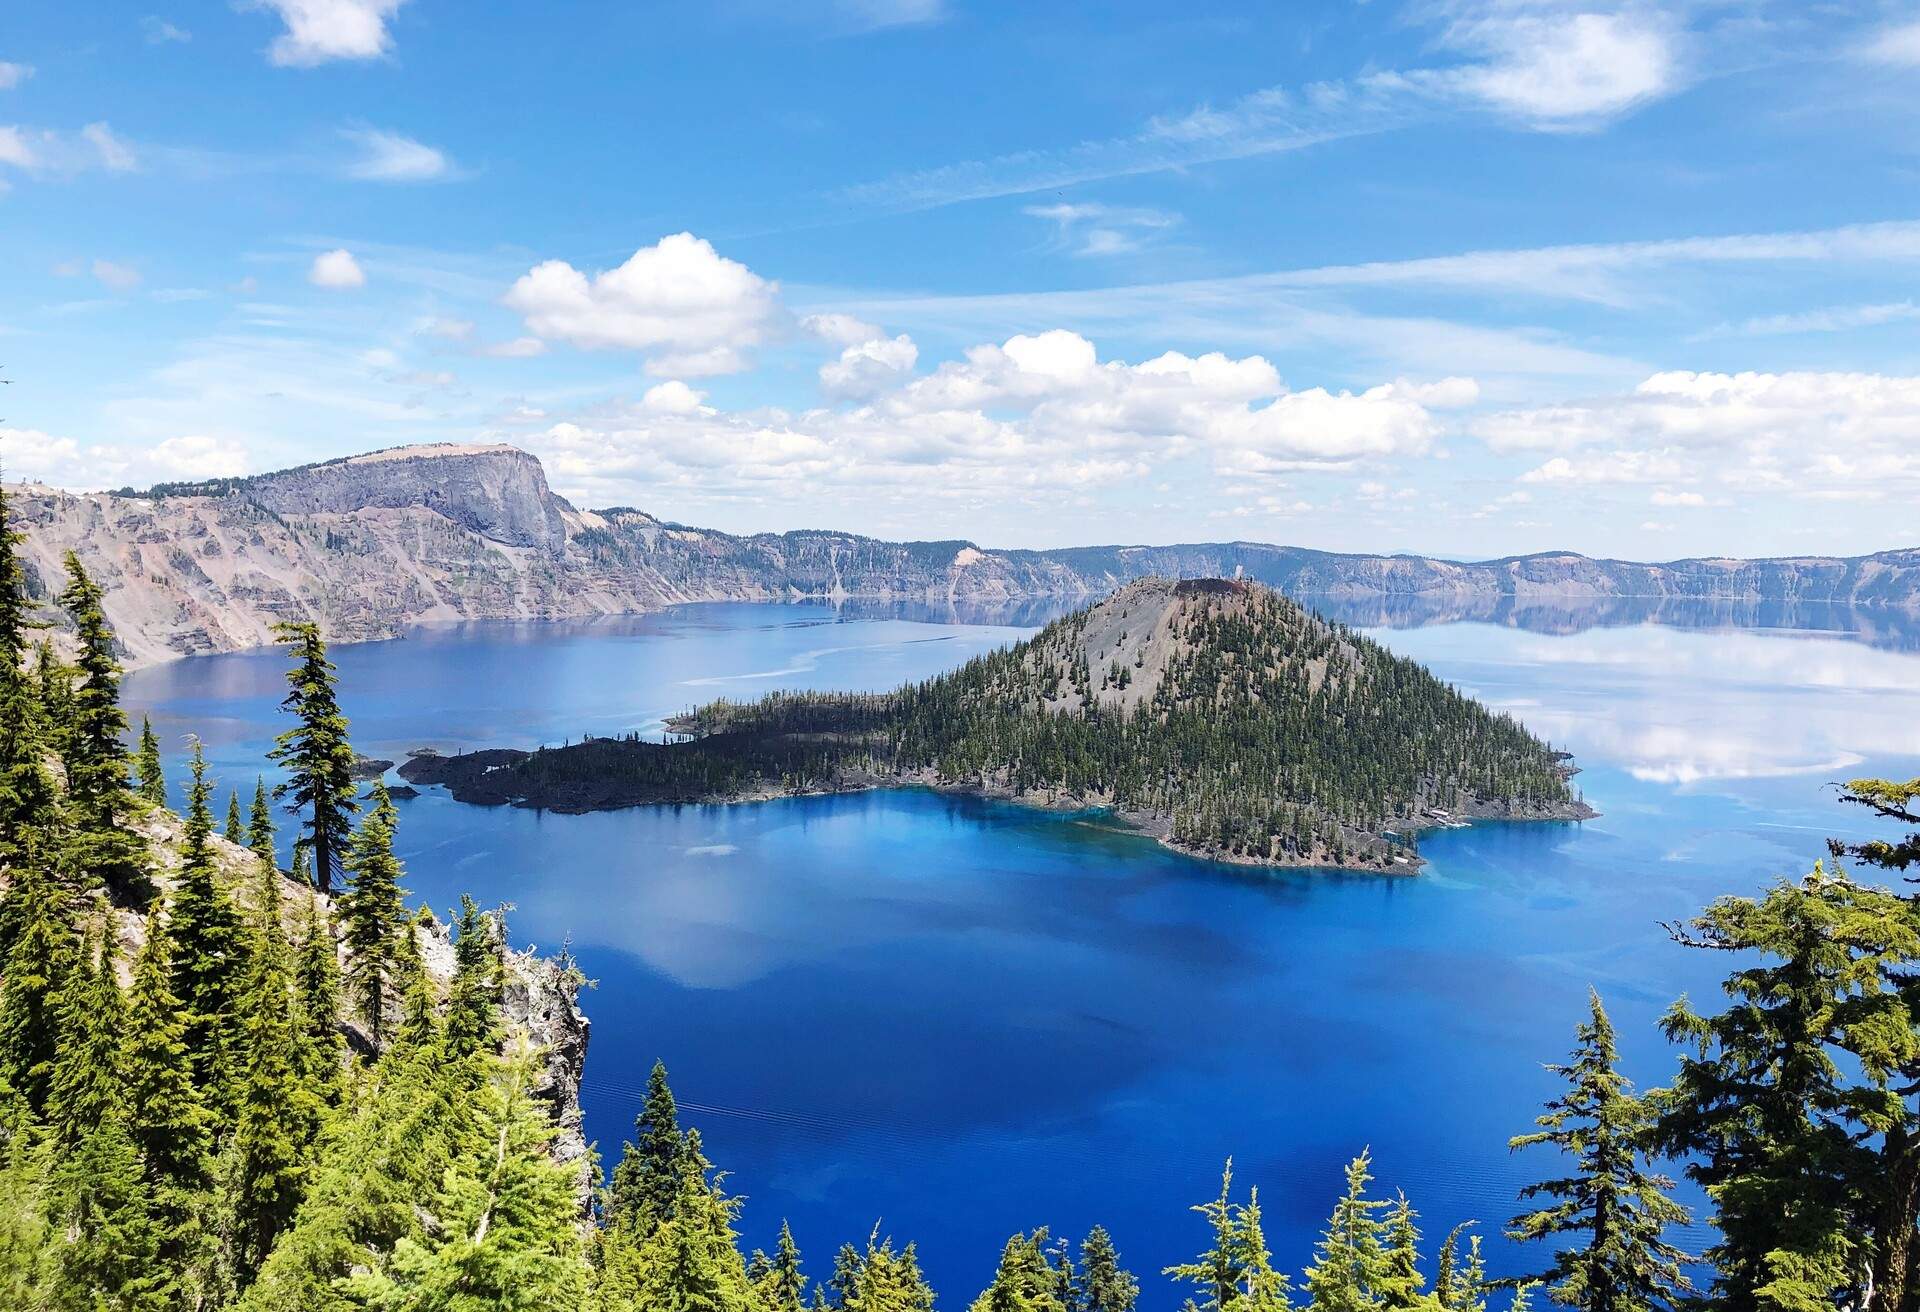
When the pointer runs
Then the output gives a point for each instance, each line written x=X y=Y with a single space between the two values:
x=1469 y=276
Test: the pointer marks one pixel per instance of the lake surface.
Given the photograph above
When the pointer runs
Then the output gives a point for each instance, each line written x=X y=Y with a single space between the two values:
x=958 y=1019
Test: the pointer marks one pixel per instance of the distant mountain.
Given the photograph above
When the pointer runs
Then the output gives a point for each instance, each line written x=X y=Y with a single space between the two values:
x=1215 y=714
x=372 y=544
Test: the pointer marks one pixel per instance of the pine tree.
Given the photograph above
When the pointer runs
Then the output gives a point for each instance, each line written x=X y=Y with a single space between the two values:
x=779 y=1285
x=96 y=758
x=1104 y=1285
x=878 y=1279
x=689 y=1261
x=1351 y=1265
x=1401 y=1280
x=107 y=1237
x=279 y=1112
x=148 y=772
x=1625 y=1265
x=1460 y=1283
x=1237 y=1273
x=208 y=950
x=505 y=1230
x=647 y=1179
x=373 y=913
x=317 y=979
x=234 y=832
x=24 y=1277
x=85 y=1085
x=1024 y=1280
x=260 y=826
x=419 y=1001
x=316 y=752
x=1775 y=1129
x=478 y=989
x=27 y=797
x=42 y=953
x=166 y=1113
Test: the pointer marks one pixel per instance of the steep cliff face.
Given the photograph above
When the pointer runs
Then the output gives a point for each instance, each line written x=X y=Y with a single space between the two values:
x=371 y=545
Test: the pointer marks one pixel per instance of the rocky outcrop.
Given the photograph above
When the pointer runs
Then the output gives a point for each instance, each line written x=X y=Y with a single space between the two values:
x=371 y=545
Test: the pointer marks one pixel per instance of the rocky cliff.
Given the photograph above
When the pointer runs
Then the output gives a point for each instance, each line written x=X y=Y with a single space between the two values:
x=371 y=545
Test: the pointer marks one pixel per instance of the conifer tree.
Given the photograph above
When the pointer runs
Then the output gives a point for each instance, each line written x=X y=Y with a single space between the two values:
x=166 y=1113
x=647 y=1179
x=208 y=951
x=42 y=952
x=419 y=1003
x=1024 y=1280
x=96 y=758
x=1351 y=1265
x=1401 y=1280
x=779 y=1285
x=1775 y=1128
x=317 y=980
x=1460 y=1280
x=316 y=752
x=106 y=1236
x=689 y=1261
x=85 y=1085
x=1237 y=1273
x=877 y=1279
x=234 y=832
x=1625 y=1264
x=478 y=989
x=279 y=1112
x=23 y=1219
x=260 y=826
x=373 y=913
x=150 y=777
x=1103 y=1285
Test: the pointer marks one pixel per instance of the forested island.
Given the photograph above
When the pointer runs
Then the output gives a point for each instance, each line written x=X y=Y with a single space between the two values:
x=1216 y=715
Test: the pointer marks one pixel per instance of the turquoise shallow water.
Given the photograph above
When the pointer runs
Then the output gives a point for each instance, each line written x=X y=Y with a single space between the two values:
x=959 y=1018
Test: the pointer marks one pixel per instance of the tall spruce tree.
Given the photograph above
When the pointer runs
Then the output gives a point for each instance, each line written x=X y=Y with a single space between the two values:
x=1351 y=1267
x=878 y=1278
x=92 y=747
x=150 y=779
x=43 y=950
x=235 y=830
x=479 y=984
x=317 y=978
x=1401 y=1280
x=689 y=1261
x=779 y=1285
x=1776 y=1129
x=1103 y=1284
x=1611 y=1198
x=1236 y=1274
x=1024 y=1280
x=373 y=913
x=209 y=951
x=652 y=1166
x=260 y=826
x=166 y=1113
x=316 y=753
x=85 y=1085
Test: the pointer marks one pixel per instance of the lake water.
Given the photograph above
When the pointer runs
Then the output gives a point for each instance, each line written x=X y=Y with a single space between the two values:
x=956 y=1018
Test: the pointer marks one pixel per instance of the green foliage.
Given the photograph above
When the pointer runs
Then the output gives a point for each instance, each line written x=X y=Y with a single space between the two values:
x=85 y=1086
x=235 y=831
x=259 y=834
x=1351 y=1270
x=688 y=1258
x=1102 y=1284
x=1622 y=1208
x=878 y=1278
x=43 y=943
x=779 y=1285
x=1025 y=1280
x=479 y=985
x=150 y=779
x=316 y=753
x=209 y=951
x=373 y=913
x=647 y=1179
x=1236 y=1274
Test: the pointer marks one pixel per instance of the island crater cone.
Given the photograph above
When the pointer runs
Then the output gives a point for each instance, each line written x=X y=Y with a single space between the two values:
x=1215 y=714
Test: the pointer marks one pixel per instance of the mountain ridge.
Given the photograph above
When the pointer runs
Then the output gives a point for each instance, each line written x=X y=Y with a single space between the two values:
x=373 y=544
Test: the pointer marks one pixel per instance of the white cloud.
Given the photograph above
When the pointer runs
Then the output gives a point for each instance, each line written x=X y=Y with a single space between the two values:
x=869 y=367
x=160 y=32
x=337 y=270
x=1034 y=414
x=1092 y=229
x=16 y=149
x=1898 y=44
x=29 y=455
x=1835 y=319
x=391 y=157
x=198 y=456
x=691 y=310
x=115 y=155
x=322 y=30
x=1563 y=68
x=12 y=75
x=1663 y=497
x=872 y=15
x=519 y=348
x=449 y=329
x=120 y=277
x=841 y=329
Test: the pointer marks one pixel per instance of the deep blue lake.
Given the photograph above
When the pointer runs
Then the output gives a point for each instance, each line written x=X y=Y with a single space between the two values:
x=958 y=1019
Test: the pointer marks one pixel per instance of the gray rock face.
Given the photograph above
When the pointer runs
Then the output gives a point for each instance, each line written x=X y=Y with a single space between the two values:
x=369 y=546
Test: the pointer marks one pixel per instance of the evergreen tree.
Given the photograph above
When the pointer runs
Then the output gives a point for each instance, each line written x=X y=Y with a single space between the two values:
x=316 y=753
x=419 y=1002
x=260 y=826
x=876 y=1279
x=1775 y=1128
x=478 y=989
x=234 y=832
x=96 y=757
x=687 y=1261
x=1460 y=1281
x=647 y=1179
x=778 y=1284
x=1024 y=1280
x=317 y=979
x=1625 y=1265
x=166 y=1114
x=505 y=1232
x=373 y=913
x=208 y=951
x=27 y=798
x=1401 y=1279
x=23 y=1220
x=107 y=1240
x=1103 y=1284
x=85 y=1085
x=42 y=952
x=151 y=779
x=1237 y=1273
x=1351 y=1269
x=279 y=1111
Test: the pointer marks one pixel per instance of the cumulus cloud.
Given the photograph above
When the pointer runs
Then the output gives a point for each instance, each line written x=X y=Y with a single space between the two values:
x=1034 y=413
x=321 y=30
x=391 y=157
x=1819 y=433
x=44 y=150
x=1898 y=45
x=336 y=270
x=689 y=309
x=840 y=329
x=1563 y=67
x=30 y=455
x=12 y=75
